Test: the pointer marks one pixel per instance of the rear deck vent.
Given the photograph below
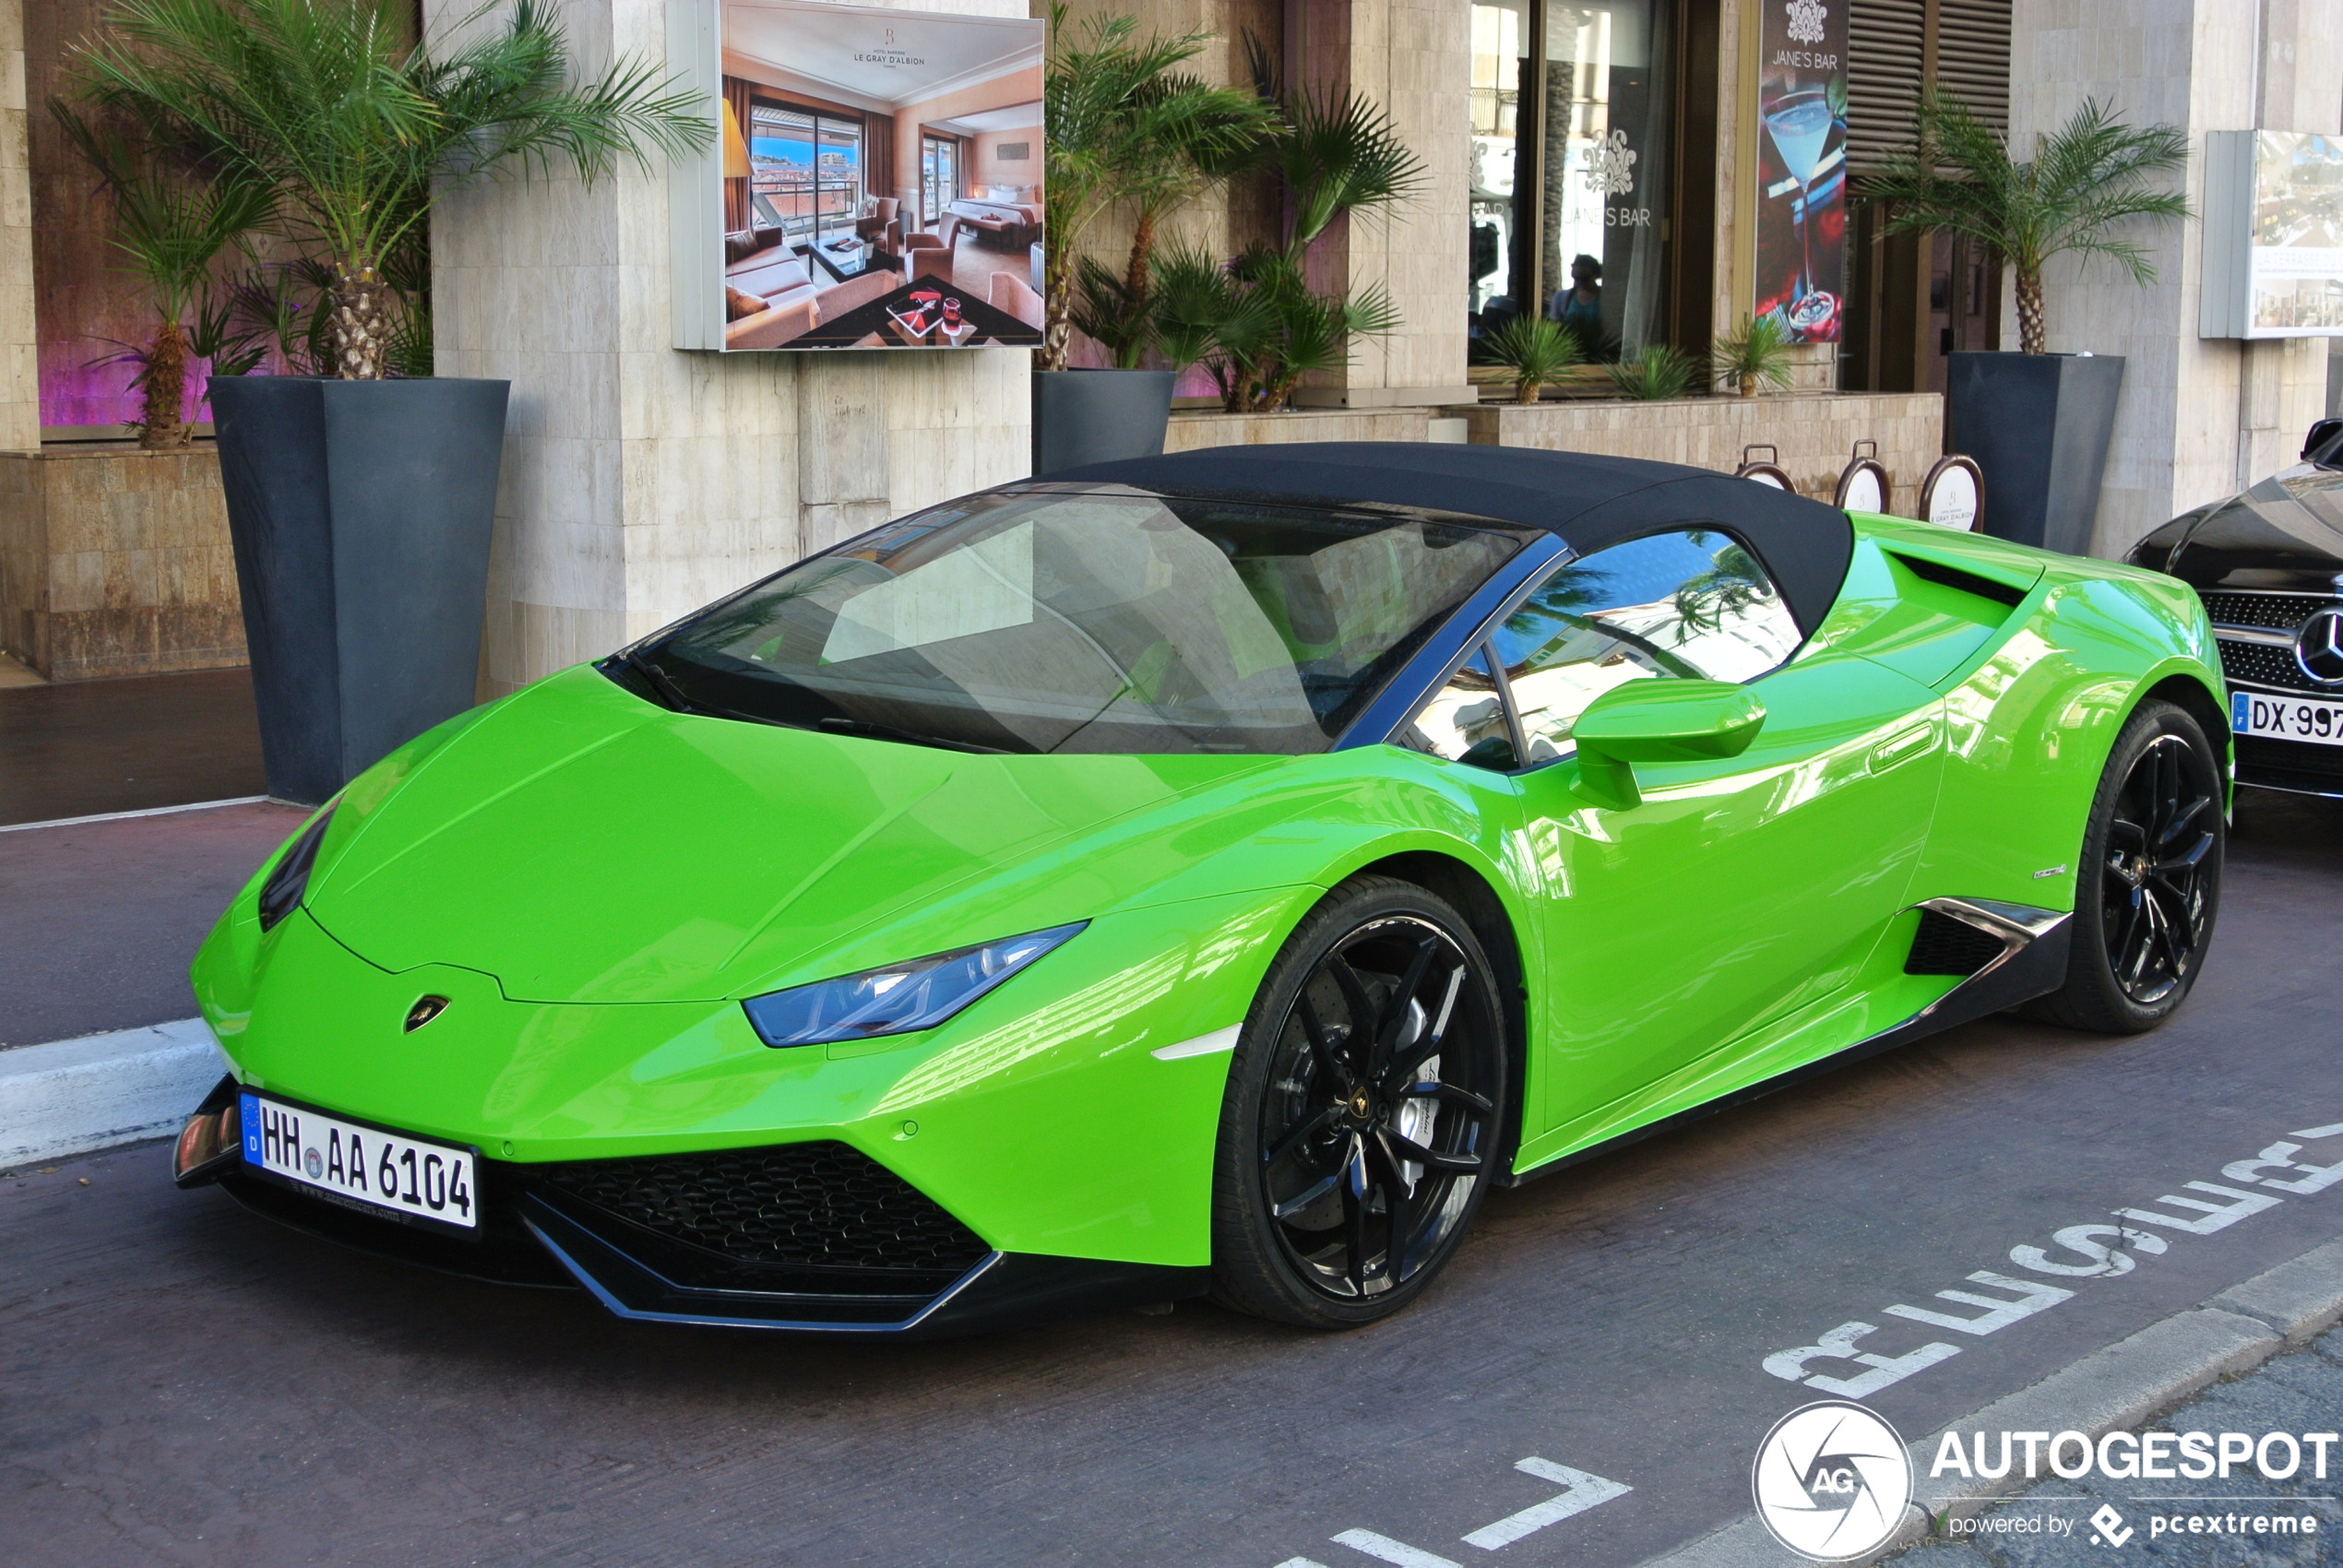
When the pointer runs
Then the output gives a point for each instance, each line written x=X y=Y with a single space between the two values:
x=1966 y=582
x=1944 y=945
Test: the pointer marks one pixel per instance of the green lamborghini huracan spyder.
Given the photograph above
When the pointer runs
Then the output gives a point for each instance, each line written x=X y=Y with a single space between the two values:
x=1202 y=874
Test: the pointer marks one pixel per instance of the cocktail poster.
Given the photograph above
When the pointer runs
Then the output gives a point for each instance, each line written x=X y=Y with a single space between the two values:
x=1801 y=168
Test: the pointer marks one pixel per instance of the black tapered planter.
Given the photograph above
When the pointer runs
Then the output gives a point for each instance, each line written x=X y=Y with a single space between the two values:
x=360 y=512
x=2038 y=426
x=1096 y=416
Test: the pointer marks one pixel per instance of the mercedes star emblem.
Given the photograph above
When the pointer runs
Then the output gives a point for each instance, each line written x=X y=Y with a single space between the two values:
x=2318 y=646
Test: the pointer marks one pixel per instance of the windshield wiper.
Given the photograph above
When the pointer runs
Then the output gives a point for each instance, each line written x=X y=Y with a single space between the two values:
x=869 y=731
x=668 y=693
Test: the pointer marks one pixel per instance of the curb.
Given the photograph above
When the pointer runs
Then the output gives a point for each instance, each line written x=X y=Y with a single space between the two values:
x=74 y=1096
x=2112 y=1389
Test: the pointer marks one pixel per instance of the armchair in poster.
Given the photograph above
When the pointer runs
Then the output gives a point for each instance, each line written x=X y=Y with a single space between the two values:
x=876 y=182
x=1801 y=168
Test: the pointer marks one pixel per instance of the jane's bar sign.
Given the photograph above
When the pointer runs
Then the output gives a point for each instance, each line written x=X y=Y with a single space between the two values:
x=1801 y=168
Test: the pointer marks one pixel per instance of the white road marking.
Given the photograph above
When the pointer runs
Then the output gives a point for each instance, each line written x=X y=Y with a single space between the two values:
x=2033 y=1296
x=1839 y=1345
x=2103 y=1261
x=1582 y=1491
x=2218 y=1217
x=72 y=1095
x=1300 y=1562
x=161 y=811
x=1394 y=1552
x=1203 y=1045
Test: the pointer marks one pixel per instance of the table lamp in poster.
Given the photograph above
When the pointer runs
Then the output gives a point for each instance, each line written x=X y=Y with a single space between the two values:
x=1801 y=168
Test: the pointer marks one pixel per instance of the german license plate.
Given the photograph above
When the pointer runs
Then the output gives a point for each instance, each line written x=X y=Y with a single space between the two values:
x=2292 y=719
x=386 y=1170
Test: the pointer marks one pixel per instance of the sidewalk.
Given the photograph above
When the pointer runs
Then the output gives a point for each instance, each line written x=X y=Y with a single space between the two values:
x=2297 y=1392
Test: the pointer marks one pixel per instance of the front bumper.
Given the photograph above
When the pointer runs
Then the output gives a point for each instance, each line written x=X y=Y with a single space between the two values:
x=812 y=1237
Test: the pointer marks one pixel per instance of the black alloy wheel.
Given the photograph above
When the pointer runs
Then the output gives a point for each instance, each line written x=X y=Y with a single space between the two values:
x=1363 y=1119
x=2150 y=881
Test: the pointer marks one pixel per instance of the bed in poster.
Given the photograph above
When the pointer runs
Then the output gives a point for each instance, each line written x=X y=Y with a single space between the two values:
x=882 y=177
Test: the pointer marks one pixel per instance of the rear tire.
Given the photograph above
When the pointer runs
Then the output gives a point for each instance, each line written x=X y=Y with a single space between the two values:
x=2149 y=884
x=1360 y=1125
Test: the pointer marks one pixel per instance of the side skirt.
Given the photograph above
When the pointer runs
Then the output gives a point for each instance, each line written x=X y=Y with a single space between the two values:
x=2033 y=963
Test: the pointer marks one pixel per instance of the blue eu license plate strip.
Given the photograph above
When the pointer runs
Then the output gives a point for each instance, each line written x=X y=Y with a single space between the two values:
x=367 y=1165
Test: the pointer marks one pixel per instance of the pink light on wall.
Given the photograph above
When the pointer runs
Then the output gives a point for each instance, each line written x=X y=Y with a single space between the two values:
x=74 y=392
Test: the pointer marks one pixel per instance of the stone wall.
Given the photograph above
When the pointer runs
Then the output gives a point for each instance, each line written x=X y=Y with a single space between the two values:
x=2198 y=418
x=20 y=360
x=1815 y=432
x=641 y=482
x=116 y=561
x=1211 y=428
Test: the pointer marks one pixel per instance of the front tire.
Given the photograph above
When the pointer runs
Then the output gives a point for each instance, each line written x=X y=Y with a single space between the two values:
x=2150 y=878
x=1360 y=1125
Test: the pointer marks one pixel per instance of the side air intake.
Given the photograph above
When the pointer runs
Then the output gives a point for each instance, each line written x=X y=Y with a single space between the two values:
x=1944 y=945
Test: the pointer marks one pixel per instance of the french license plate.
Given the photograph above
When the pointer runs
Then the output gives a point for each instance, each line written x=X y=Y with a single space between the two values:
x=2292 y=719
x=388 y=1170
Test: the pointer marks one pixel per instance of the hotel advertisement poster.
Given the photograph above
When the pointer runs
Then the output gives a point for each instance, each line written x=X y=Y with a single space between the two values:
x=880 y=173
x=1801 y=168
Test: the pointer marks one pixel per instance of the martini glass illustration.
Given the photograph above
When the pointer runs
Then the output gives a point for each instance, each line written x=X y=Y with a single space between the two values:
x=1800 y=125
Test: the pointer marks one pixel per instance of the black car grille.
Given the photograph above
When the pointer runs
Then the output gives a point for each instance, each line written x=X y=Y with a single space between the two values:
x=2272 y=611
x=2289 y=764
x=812 y=1204
x=1944 y=945
x=2259 y=664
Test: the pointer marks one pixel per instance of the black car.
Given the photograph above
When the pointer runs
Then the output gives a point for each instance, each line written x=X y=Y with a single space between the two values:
x=2268 y=564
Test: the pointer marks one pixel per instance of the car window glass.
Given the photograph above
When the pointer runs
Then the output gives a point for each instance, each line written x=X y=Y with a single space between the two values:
x=1465 y=720
x=1693 y=604
x=1106 y=620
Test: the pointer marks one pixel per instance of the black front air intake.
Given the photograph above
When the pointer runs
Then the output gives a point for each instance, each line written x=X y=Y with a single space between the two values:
x=1944 y=945
x=824 y=1207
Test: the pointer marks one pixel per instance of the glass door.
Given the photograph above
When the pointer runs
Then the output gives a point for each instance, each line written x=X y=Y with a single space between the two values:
x=939 y=178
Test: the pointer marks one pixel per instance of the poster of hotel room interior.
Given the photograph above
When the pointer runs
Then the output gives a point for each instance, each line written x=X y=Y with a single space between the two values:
x=882 y=178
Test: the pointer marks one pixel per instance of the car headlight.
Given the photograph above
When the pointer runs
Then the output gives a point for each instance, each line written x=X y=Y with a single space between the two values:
x=281 y=895
x=899 y=999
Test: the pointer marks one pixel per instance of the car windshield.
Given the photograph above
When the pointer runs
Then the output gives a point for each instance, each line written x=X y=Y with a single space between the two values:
x=1101 y=621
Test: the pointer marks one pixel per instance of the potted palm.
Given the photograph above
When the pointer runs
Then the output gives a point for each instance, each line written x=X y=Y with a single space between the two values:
x=1125 y=129
x=1257 y=323
x=2038 y=424
x=171 y=223
x=360 y=503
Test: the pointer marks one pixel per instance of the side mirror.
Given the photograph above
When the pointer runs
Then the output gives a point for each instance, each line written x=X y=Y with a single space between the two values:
x=2323 y=434
x=1658 y=721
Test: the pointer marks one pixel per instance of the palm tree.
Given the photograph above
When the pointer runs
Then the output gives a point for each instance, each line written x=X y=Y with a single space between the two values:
x=171 y=221
x=2084 y=179
x=350 y=125
x=1122 y=125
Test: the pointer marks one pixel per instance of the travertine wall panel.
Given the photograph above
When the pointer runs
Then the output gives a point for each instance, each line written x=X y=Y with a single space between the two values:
x=640 y=481
x=116 y=561
x=19 y=337
x=1814 y=433
x=2199 y=416
x=1190 y=432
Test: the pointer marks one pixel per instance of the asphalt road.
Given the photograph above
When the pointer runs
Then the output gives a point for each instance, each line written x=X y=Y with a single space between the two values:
x=180 y=1382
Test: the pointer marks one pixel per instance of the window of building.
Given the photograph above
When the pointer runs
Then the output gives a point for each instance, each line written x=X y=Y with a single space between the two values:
x=1572 y=156
x=805 y=170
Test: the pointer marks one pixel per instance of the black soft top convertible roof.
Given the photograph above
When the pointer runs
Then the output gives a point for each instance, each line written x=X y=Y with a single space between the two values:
x=1590 y=501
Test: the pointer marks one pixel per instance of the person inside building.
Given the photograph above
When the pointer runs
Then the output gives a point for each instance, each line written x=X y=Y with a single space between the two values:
x=1579 y=307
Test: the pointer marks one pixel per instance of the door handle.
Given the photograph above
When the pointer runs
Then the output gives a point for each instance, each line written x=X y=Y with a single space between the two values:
x=1903 y=745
